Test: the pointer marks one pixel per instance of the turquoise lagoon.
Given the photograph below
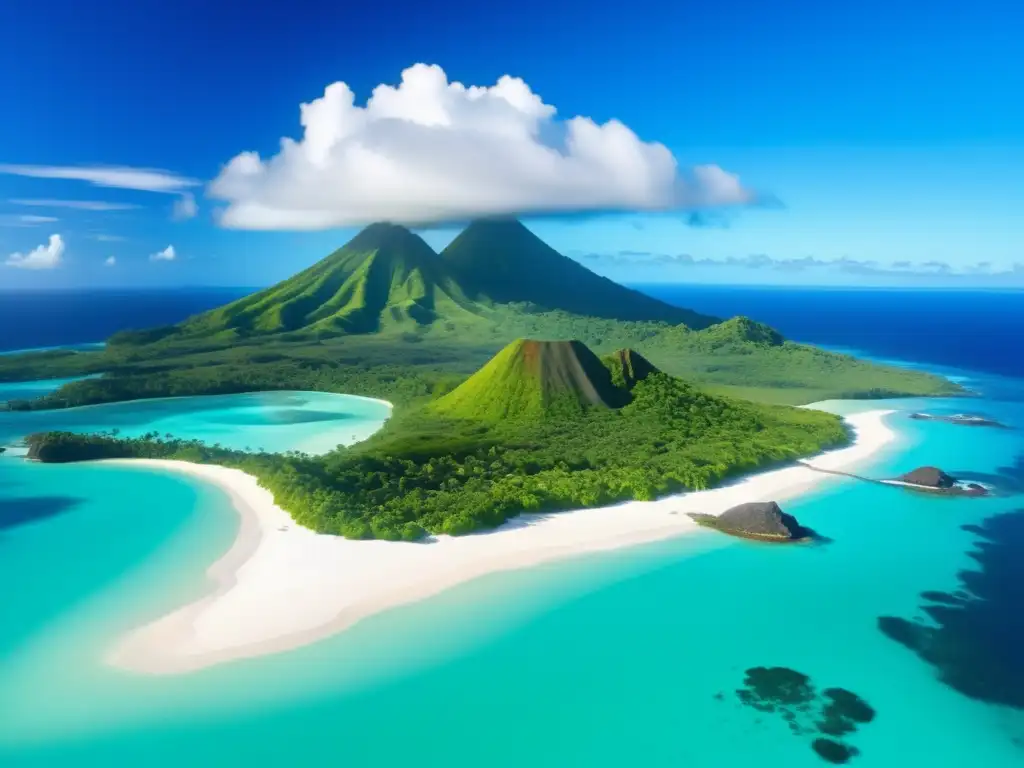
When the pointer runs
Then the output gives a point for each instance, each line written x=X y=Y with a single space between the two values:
x=627 y=658
x=311 y=422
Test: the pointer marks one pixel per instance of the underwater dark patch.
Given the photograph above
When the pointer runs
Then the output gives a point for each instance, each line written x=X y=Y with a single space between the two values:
x=973 y=637
x=778 y=685
x=17 y=512
x=835 y=712
x=1006 y=481
x=834 y=751
x=844 y=712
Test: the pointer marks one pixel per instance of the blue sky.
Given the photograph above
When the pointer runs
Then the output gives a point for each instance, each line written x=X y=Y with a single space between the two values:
x=877 y=143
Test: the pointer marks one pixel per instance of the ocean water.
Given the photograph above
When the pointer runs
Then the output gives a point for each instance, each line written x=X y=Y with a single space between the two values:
x=41 y=319
x=626 y=658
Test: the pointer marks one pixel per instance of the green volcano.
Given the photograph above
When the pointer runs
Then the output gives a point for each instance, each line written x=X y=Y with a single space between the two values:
x=386 y=277
x=503 y=261
x=532 y=380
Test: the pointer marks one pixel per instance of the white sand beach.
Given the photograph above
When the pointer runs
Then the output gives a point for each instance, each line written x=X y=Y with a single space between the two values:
x=281 y=586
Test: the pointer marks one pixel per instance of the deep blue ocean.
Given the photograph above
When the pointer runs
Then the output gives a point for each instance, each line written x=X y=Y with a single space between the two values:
x=32 y=319
x=978 y=330
x=645 y=656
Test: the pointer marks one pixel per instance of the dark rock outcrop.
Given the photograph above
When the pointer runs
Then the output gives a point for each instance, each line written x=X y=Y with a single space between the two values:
x=934 y=480
x=929 y=477
x=763 y=520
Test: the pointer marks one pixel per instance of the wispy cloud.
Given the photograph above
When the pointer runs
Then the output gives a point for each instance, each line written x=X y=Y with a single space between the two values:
x=82 y=205
x=104 y=238
x=110 y=261
x=763 y=262
x=113 y=176
x=46 y=256
x=25 y=220
x=167 y=254
x=185 y=207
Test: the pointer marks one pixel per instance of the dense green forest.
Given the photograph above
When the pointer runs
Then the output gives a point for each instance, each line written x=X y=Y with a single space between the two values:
x=432 y=470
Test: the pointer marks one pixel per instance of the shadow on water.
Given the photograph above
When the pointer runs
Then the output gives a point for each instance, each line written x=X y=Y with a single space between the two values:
x=1008 y=481
x=18 y=512
x=976 y=633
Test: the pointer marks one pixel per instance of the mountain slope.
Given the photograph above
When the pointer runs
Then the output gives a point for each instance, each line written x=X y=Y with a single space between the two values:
x=385 y=277
x=503 y=261
x=530 y=380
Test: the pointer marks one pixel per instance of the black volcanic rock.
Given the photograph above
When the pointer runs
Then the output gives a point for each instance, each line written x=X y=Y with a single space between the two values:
x=756 y=520
x=930 y=477
x=764 y=518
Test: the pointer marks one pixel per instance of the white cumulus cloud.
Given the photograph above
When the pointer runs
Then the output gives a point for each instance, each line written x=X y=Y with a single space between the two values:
x=185 y=207
x=43 y=257
x=110 y=261
x=167 y=254
x=430 y=150
x=121 y=177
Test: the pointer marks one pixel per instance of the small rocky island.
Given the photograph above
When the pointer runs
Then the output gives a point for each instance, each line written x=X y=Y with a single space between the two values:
x=964 y=419
x=760 y=520
x=934 y=480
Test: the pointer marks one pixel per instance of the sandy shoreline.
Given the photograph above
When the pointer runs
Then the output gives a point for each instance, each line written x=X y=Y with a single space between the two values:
x=281 y=586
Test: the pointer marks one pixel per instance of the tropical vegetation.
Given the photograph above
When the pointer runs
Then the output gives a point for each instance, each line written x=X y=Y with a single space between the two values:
x=450 y=467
